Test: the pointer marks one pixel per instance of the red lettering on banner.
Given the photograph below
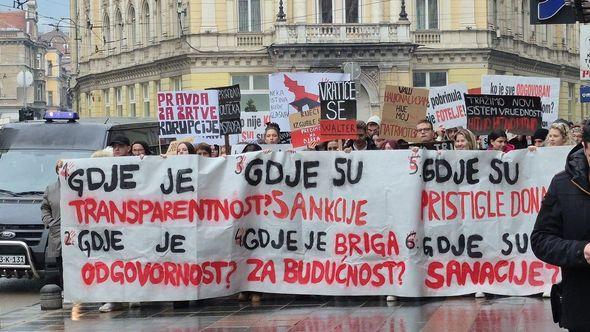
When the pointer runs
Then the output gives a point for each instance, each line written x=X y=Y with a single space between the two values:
x=306 y=208
x=261 y=270
x=167 y=273
x=331 y=272
x=366 y=244
x=458 y=273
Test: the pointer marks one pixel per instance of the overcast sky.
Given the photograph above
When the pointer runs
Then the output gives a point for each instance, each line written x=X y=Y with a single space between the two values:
x=52 y=8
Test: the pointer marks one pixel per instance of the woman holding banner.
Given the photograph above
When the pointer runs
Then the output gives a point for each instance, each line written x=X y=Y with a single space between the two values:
x=185 y=148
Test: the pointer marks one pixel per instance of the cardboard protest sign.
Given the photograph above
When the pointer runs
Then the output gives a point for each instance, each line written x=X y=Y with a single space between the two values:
x=441 y=223
x=403 y=108
x=296 y=92
x=516 y=114
x=546 y=88
x=446 y=106
x=305 y=127
x=229 y=109
x=338 y=105
x=188 y=114
x=253 y=125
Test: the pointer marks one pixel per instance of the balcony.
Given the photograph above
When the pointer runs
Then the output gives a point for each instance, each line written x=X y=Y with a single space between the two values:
x=342 y=33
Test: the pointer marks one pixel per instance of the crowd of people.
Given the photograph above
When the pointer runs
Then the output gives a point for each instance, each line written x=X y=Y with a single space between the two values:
x=560 y=133
x=368 y=137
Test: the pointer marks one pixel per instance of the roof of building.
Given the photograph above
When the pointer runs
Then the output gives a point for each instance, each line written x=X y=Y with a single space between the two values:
x=13 y=21
x=57 y=39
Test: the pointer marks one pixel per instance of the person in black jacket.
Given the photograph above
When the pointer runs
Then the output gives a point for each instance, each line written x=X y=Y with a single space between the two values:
x=561 y=235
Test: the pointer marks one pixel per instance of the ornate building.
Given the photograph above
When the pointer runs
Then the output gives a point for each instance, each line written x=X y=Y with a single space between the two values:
x=57 y=69
x=20 y=51
x=130 y=49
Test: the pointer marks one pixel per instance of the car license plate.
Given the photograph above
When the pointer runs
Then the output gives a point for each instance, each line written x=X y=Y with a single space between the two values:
x=12 y=260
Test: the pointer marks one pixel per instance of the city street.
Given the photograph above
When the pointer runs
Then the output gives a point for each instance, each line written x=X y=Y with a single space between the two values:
x=20 y=311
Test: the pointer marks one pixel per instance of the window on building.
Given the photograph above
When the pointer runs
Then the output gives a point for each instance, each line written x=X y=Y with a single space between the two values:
x=38 y=61
x=39 y=92
x=119 y=30
x=107 y=102
x=132 y=26
x=176 y=83
x=254 y=89
x=119 y=93
x=49 y=98
x=325 y=11
x=351 y=10
x=131 y=96
x=430 y=79
x=145 y=87
x=158 y=18
x=106 y=30
x=249 y=15
x=427 y=14
x=49 y=68
x=89 y=103
x=146 y=24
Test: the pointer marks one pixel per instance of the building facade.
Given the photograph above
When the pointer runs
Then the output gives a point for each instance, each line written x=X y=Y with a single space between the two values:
x=130 y=49
x=20 y=51
x=57 y=67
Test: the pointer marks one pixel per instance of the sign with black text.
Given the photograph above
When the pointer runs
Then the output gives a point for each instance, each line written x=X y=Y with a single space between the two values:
x=229 y=109
x=519 y=115
x=338 y=110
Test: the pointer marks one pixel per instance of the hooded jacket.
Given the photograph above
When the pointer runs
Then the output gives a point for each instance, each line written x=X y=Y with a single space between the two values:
x=561 y=232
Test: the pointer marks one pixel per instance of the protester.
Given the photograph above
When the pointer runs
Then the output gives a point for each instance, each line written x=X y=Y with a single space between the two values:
x=373 y=125
x=499 y=141
x=140 y=148
x=251 y=147
x=108 y=152
x=559 y=135
x=223 y=152
x=519 y=142
x=51 y=217
x=576 y=134
x=214 y=151
x=379 y=142
x=272 y=133
x=204 y=150
x=121 y=146
x=425 y=131
x=390 y=145
x=185 y=148
x=539 y=137
x=363 y=142
x=332 y=146
x=465 y=140
x=561 y=237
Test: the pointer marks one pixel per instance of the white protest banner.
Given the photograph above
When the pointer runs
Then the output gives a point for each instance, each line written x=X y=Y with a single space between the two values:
x=584 y=52
x=446 y=106
x=296 y=92
x=189 y=114
x=253 y=125
x=414 y=224
x=544 y=87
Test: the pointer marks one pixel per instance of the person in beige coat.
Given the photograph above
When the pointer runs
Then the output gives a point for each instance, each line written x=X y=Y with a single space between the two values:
x=51 y=217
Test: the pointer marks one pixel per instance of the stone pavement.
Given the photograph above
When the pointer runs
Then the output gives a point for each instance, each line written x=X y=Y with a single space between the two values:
x=298 y=313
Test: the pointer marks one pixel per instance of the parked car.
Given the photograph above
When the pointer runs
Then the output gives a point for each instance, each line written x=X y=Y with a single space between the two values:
x=28 y=153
